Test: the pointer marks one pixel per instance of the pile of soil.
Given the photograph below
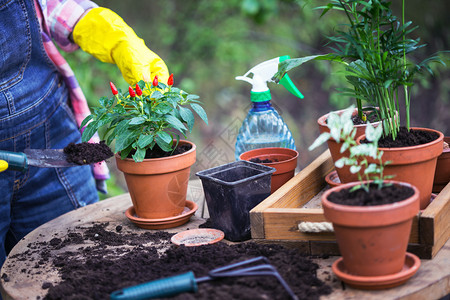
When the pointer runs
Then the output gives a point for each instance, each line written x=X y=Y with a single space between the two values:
x=375 y=196
x=87 y=153
x=407 y=138
x=101 y=264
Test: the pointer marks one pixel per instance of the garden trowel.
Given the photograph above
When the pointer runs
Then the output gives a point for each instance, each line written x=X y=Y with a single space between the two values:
x=43 y=158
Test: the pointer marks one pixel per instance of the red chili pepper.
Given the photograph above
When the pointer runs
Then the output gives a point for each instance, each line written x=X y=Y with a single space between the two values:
x=113 y=88
x=138 y=90
x=155 y=81
x=170 y=80
x=131 y=91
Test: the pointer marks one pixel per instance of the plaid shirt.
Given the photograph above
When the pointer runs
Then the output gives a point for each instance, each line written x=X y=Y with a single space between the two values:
x=57 y=19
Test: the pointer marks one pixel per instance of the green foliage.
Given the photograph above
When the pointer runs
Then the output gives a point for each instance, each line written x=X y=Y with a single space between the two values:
x=138 y=123
x=342 y=130
x=373 y=47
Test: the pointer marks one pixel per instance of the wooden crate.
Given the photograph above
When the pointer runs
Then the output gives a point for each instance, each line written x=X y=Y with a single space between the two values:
x=276 y=219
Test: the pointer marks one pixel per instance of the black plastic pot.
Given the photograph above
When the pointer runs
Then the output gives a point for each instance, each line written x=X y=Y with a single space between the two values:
x=231 y=191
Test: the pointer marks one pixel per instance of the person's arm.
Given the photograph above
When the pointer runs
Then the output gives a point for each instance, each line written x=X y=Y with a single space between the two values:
x=103 y=34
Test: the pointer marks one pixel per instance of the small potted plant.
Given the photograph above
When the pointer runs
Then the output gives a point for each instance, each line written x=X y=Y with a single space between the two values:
x=374 y=49
x=145 y=125
x=372 y=217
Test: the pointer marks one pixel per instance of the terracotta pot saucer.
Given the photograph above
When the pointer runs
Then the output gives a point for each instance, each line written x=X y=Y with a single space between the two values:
x=412 y=264
x=332 y=179
x=164 y=223
x=197 y=237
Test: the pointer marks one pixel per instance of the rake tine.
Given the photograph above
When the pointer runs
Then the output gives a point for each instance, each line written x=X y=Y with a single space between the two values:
x=258 y=270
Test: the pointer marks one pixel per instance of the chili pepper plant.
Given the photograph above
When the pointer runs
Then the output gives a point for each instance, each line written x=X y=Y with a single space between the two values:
x=151 y=114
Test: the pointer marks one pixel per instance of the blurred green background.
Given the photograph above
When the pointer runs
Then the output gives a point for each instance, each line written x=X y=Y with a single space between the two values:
x=206 y=43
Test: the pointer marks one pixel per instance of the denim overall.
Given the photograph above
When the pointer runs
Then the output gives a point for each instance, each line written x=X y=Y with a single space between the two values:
x=34 y=113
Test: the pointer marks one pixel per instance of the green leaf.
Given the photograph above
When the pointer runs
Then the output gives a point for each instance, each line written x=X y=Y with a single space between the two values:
x=156 y=95
x=187 y=115
x=137 y=120
x=139 y=155
x=86 y=120
x=320 y=140
x=89 y=131
x=175 y=123
x=373 y=134
x=200 y=111
x=125 y=139
x=355 y=169
x=162 y=144
x=167 y=138
x=191 y=97
x=289 y=64
x=144 y=141
x=163 y=108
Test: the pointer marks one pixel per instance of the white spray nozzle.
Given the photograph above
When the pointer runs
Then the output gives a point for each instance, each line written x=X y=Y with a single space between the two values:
x=261 y=74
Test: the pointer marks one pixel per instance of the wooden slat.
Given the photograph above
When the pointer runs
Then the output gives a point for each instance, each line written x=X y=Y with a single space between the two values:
x=294 y=193
x=282 y=224
x=434 y=224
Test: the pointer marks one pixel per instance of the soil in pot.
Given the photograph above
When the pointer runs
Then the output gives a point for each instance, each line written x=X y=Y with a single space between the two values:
x=157 y=152
x=263 y=161
x=375 y=196
x=87 y=153
x=106 y=260
x=407 y=138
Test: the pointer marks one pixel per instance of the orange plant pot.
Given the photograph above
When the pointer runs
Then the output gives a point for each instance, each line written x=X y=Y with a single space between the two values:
x=415 y=165
x=158 y=186
x=442 y=174
x=372 y=239
x=284 y=160
x=335 y=147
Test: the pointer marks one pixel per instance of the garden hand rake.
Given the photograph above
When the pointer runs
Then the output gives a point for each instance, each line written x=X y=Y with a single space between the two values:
x=171 y=286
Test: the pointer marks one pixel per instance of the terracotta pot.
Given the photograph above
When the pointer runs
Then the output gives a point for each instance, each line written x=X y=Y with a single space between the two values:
x=415 y=165
x=442 y=174
x=158 y=186
x=284 y=160
x=372 y=239
x=335 y=147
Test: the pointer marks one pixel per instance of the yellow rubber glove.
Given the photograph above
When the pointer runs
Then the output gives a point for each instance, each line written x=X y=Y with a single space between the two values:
x=105 y=35
x=3 y=165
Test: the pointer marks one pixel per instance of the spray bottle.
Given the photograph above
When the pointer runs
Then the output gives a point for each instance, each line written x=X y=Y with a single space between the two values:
x=263 y=127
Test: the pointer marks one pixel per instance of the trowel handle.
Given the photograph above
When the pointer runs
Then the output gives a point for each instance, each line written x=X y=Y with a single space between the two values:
x=166 y=287
x=17 y=161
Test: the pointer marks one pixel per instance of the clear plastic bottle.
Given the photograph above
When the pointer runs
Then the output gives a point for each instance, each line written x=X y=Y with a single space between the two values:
x=263 y=127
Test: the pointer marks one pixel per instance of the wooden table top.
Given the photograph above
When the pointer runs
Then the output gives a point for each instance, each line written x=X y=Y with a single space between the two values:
x=432 y=281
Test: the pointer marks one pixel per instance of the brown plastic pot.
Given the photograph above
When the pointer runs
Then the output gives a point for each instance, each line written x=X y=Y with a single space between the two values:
x=158 y=186
x=335 y=147
x=415 y=164
x=442 y=174
x=372 y=239
x=284 y=160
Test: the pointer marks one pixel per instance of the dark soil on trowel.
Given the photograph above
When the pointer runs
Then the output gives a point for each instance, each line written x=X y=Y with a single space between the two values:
x=87 y=153
x=101 y=265
x=375 y=196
